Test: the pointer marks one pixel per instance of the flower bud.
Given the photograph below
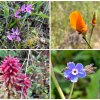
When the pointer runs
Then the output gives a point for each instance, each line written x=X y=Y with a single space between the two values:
x=94 y=21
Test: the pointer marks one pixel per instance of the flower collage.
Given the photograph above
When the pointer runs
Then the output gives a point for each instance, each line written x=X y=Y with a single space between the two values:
x=49 y=49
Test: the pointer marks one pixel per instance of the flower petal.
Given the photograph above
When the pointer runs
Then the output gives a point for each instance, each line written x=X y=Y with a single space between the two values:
x=12 y=30
x=76 y=21
x=16 y=30
x=67 y=73
x=18 y=39
x=79 y=66
x=74 y=78
x=82 y=74
x=23 y=7
x=29 y=7
x=10 y=37
x=71 y=65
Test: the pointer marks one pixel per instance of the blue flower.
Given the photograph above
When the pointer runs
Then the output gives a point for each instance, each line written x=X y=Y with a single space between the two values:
x=74 y=72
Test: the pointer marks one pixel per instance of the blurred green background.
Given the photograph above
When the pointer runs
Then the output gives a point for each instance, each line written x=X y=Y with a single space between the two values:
x=85 y=88
x=61 y=31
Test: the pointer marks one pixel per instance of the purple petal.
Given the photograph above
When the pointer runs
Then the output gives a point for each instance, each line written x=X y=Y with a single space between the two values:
x=29 y=11
x=17 y=31
x=79 y=66
x=10 y=37
x=67 y=73
x=29 y=7
x=18 y=16
x=68 y=78
x=71 y=65
x=12 y=30
x=82 y=74
x=74 y=78
x=18 y=39
x=23 y=7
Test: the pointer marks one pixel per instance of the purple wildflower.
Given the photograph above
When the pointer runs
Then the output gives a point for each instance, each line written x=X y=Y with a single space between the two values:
x=14 y=35
x=24 y=9
x=74 y=72
x=10 y=37
x=16 y=14
x=28 y=8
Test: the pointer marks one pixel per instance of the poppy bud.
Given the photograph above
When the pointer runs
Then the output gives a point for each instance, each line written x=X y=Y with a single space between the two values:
x=94 y=21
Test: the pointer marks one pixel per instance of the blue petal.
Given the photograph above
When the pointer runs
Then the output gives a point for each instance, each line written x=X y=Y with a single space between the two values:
x=67 y=73
x=79 y=66
x=74 y=78
x=71 y=65
x=82 y=74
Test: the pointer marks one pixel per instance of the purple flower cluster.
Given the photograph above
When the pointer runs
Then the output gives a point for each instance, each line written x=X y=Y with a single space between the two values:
x=14 y=35
x=74 y=72
x=23 y=9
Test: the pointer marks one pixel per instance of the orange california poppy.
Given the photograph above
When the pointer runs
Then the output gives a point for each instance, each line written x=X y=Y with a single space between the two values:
x=76 y=22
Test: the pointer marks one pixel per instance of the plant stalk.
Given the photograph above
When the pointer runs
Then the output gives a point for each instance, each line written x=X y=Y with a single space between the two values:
x=71 y=91
x=89 y=47
x=56 y=83
x=91 y=34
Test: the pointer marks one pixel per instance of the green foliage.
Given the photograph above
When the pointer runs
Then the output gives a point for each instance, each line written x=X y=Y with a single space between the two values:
x=24 y=24
x=93 y=88
x=4 y=53
x=85 y=88
x=40 y=74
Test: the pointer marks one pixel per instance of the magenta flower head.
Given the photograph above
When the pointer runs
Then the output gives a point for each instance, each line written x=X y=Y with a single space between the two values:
x=74 y=72
x=10 y=68
x=23 y=85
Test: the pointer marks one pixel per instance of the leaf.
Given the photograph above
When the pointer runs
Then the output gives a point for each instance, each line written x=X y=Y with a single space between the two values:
x=1 y=94
x=19 y=84
x=6 y=12
x=93 y=88
x=26 y=96
x=19 y=92
x=41 y=15
x=38 y=56
x=11 y=97
x=39 y=4
x=14 y=90
x=6 y=95
x=3 y=53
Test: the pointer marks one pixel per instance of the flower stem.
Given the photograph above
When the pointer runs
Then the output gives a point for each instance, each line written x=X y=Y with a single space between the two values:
x=71 y=90
x=56 y=83
x=89 y=47
x=17 y=22
x=91 y=34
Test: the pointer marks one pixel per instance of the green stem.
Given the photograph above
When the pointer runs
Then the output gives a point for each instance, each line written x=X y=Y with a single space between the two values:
x=56 y=84
x=91 y=34
x=71 y=90
x=89 y=47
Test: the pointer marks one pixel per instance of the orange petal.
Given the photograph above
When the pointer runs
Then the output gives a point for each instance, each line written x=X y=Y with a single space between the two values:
x=76 y=21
